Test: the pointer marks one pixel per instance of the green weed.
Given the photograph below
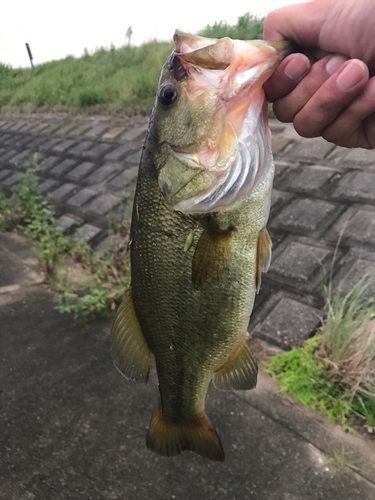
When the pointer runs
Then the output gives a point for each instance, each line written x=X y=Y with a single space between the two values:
x=88 y=283
x=334 y=372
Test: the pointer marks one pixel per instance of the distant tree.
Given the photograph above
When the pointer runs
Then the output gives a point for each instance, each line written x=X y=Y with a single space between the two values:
x=129 y=33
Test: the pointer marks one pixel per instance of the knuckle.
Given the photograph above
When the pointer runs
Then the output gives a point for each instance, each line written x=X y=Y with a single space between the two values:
x=283 y=111
x=305 y=127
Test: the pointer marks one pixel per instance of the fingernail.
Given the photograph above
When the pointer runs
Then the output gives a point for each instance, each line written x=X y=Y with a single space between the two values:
x=351 y=74
x=297 y=67
x=370 y=89
x=334 y=63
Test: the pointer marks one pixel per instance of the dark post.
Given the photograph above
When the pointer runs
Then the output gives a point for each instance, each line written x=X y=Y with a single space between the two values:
x=30 y=54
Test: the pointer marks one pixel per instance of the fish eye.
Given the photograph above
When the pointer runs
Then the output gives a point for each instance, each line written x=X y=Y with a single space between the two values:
x=168 y=95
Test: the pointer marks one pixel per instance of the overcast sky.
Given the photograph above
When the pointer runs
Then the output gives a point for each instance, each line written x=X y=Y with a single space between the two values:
x=56 y=29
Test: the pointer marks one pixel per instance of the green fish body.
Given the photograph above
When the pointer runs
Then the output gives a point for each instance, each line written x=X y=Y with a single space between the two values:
x=198 y=247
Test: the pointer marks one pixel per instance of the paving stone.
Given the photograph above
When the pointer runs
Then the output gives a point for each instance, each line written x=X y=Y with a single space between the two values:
x=25 y=141
x=81 y=171
x=126 y=179
x=82 y=197
x=300 y=264
x=279 y=144
x=64 y=146
x=32 y=127
x=63 y=167
x=50 y=144
x=4 y=173
x=357 y=186
x=2 y=152
x=81 y=129
x=21 y=158
x=81 y=148
x=101 y=174
x=48 y=163
x=3 y=124
x=11 y=180
x=38 y=127
x=12 y=140
x=135 y=132
x=135 y=158
x=65 y=129
x=99 y=150
x=362 y=271
x=36 y=142
x=361 y=156
x=97 y=130
x=111 y=134
x=5 y=158
x=17 y=126
x=310 y=179
x=66 y=223
x=51 y=128
x=104 y=203
x=63 y=192
x=289 y=323
x=279 y=198
x=311 y=149
x=87 y=233
x=47 y=186
x=355 y=226
x=118 y=154
x=5 y=137
x=306 y=215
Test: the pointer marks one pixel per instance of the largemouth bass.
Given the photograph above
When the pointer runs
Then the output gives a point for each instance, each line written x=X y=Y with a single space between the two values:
x=198 y=235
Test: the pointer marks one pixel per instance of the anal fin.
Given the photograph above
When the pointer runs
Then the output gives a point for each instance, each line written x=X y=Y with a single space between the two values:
x=239 y=372
x=263 y=258
x=171 y=438
x=212 y=254
x=130 y=351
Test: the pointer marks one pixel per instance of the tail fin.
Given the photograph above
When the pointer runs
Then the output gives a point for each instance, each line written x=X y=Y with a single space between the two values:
x=170 y=439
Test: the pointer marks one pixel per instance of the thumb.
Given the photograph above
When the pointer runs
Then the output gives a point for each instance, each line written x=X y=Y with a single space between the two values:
x=300 y=22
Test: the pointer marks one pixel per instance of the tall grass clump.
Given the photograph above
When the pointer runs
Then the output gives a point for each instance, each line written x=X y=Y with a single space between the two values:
x=248 y=27
x=348 y=339
x=334 y=372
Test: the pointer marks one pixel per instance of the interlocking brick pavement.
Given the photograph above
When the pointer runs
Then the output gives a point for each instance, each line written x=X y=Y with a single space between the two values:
x=323 y=198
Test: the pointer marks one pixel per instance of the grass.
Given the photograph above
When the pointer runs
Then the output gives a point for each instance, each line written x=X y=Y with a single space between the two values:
x=114 y=78
x=334 y=372
x=111 y=79
x=88 y=283
x=343 y=458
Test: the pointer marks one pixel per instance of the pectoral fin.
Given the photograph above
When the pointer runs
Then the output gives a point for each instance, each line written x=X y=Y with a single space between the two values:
x=129 y=348
x=239 y=372
x=263 y=259
x=212 y=255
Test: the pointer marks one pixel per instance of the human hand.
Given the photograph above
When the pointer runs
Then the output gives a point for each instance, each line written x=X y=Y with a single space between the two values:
x=329 y=95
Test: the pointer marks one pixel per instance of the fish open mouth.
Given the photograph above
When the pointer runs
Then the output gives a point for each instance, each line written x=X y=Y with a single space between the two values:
x=235 y=150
